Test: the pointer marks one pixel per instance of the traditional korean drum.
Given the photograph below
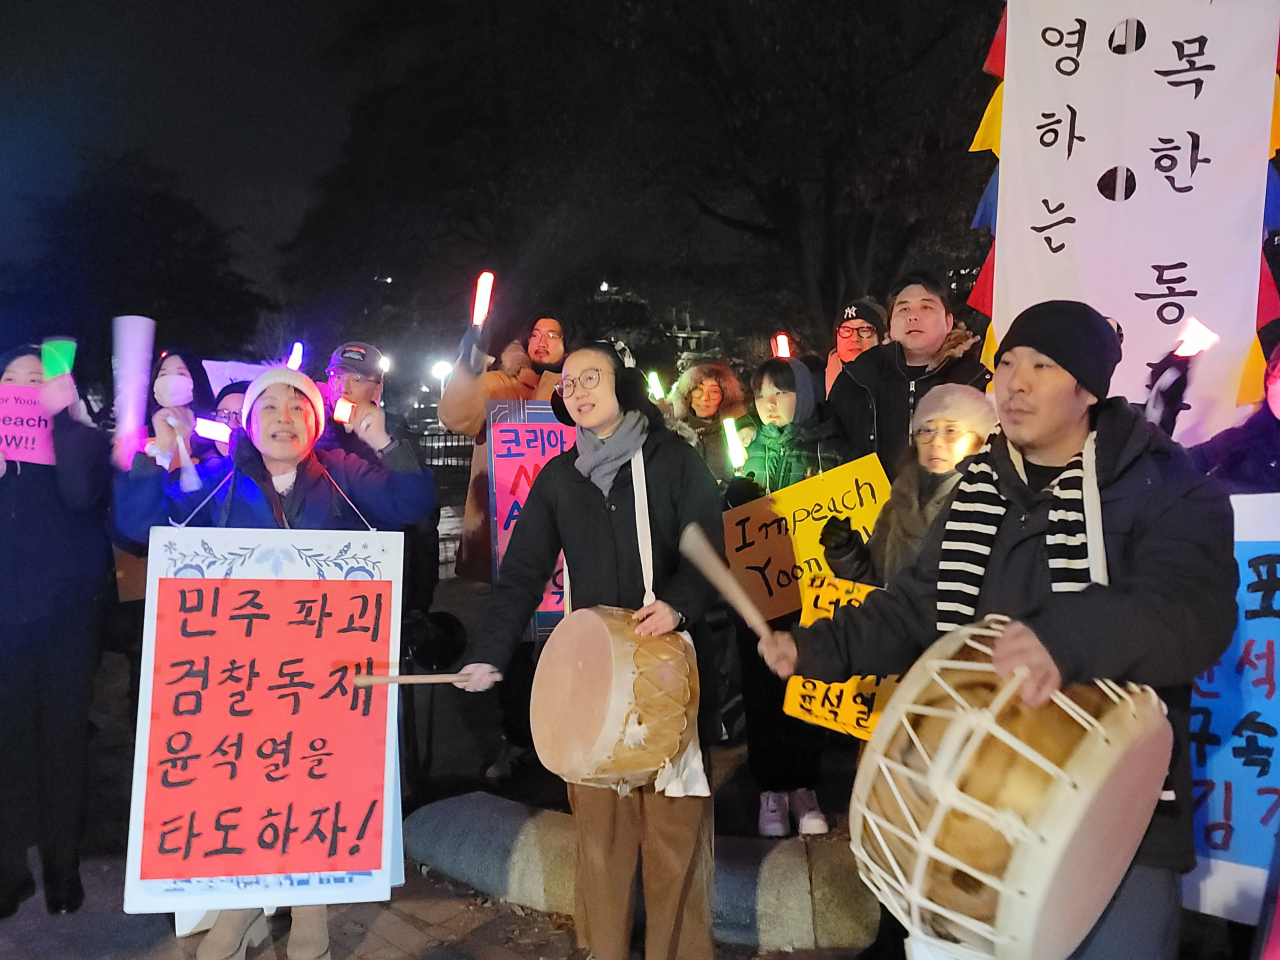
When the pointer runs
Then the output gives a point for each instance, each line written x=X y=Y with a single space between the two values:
x=610 y=708
x=992 y=830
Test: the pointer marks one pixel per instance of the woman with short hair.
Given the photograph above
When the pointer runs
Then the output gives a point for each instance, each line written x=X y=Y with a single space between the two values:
x=584 y=503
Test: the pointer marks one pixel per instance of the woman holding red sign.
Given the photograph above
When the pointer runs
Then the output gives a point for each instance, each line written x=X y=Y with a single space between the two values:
x=585 y=503
x=54 y=562
x=275 y=478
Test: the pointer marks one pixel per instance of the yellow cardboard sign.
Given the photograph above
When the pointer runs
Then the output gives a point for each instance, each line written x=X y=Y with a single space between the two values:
x=851 y=707
x=824 y=595
x=772 y=543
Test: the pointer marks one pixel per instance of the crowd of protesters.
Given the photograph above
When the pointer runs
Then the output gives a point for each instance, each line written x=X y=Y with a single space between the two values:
x=902 y=381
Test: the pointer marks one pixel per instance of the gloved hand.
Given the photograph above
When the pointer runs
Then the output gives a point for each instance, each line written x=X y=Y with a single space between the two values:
x=837 y=534
x=845 y=552
x=473 y=359
x=741 y=490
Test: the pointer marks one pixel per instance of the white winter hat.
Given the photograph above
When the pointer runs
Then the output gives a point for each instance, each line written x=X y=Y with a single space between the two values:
x=299 y=381
x=955 y=401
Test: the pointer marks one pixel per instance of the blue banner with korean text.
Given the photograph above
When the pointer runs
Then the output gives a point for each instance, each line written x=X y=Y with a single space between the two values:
x=1235 y=723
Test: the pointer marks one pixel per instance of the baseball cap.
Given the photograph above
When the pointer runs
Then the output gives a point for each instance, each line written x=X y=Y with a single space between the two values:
x=356 y=357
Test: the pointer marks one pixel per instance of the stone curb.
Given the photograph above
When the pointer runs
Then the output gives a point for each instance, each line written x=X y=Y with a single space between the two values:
x=778 y=894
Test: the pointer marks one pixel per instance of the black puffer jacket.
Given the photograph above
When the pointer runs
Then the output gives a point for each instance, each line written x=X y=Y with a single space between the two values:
x=566 y=511
x=53 y=539
x=1167 y=616
x=875 y=396
x=1245 y=458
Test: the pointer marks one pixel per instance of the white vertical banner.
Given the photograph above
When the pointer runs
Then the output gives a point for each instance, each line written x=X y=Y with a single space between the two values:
x=1132 y=176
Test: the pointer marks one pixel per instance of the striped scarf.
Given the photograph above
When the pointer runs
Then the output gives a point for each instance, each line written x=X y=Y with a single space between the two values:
x=1073 y=537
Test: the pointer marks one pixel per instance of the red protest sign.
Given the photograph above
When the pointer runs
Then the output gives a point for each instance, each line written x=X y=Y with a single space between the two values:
x=262 y=755
x=26 y=429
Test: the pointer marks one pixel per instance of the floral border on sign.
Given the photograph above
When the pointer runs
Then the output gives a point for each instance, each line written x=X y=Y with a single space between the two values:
x=207 y=559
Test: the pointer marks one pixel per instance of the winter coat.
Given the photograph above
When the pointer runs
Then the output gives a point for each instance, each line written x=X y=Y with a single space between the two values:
x=1167 y=616
x=707 y=437
x=391 y=495
x=875 y=397
x=899 y=530
x=781 y=456
x=1245 y=458
x=462 y=410
x=53 y=539
x=566 y=511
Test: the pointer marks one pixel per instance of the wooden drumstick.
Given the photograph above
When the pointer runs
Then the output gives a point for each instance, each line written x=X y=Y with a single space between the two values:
x=695 y=545
x=373 y=681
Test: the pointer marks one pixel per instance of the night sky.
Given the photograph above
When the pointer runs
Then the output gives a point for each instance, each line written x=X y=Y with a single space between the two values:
x=234 y=96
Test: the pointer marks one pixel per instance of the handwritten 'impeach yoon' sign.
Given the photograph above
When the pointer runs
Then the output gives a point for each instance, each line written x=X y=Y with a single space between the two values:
x=26 y=430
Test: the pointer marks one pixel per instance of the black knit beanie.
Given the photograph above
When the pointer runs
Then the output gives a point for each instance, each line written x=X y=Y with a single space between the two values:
x=1071 y=334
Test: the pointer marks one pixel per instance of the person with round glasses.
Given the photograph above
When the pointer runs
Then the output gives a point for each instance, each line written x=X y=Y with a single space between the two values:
x=860 y=326
x=226 y=410
x=584 y=503
x=951 y=423
x=704 y=396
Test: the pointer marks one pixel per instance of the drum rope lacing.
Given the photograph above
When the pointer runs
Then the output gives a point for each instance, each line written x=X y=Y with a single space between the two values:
x=961 y=742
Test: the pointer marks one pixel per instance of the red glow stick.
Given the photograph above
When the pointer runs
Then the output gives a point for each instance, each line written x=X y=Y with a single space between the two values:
x=343 y=409
x=484 y=291
x=782 y=346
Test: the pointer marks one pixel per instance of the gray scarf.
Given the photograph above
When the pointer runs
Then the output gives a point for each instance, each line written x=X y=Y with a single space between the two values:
x=600 y=460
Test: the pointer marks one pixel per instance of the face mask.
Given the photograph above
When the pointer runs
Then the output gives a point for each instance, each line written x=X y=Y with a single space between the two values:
x=174 y=390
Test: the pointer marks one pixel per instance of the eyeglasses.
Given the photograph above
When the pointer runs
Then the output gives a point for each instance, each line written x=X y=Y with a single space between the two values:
x=711 y=393
x=547 y=335
x=950 y=433
x=230 y=417
x=863 y=333
x=357 y=377
x=587 y=380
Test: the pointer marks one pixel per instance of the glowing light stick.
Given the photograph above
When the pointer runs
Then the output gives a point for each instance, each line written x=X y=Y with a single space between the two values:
x=484 y=291
x=57 y=355
x=214 y=430
x=737 y=455
x=782 y=347
x=133 y=339
x=295 y=356
x=342 y=410
x=655 y=386
x=1195 y=338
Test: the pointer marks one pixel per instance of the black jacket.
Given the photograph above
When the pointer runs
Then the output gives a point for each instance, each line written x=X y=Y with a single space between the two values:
x=874 y=397
x=566 y=511
x=1167 y=616
x=53 y=540
x=1245 y=458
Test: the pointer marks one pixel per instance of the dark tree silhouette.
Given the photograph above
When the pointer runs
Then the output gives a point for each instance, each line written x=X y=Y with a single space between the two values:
x=124 y=241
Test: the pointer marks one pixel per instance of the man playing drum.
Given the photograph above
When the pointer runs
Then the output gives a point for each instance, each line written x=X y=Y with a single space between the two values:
x=1112 y=556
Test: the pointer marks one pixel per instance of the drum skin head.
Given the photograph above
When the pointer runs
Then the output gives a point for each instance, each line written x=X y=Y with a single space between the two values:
x=571 y=692
x=936 y=810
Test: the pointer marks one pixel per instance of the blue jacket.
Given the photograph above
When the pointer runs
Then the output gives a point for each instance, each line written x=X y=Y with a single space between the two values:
x=391 y=495
x=53 y=539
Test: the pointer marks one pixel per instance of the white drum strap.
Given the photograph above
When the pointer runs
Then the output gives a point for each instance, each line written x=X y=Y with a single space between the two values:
x=643 y=534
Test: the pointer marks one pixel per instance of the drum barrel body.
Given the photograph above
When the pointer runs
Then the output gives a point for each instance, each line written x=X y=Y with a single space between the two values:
x=995 y=830
x=610 y=708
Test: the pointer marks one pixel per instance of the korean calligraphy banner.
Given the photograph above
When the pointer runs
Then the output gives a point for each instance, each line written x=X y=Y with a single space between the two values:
x=262 y=775
x=772 y=543
x=26 y=430
x=523 y=436
x=1133 y=154
x=1235 y=718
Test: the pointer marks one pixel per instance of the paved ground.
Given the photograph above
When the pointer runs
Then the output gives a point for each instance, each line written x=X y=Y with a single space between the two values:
x=431 y=917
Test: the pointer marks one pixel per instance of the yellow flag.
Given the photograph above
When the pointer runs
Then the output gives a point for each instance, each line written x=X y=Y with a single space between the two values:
x=1275 y=119
x=988 y=135
x=1255 y=366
